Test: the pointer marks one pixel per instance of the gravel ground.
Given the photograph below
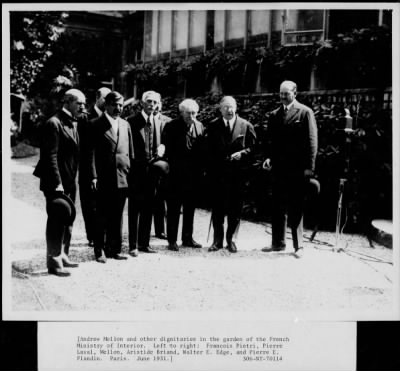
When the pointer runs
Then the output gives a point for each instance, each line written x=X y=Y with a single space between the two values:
x=355 y=282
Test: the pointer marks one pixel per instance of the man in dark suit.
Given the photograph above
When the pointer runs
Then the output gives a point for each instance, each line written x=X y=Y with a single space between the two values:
x=146 y=174
x=86 y=194
x=57 y=170
x=293 y=137
x=184 y=150
x=159 y=211
x=230 y=143
x=111 y=157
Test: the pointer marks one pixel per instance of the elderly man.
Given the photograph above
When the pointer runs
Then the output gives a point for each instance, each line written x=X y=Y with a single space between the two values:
x=230 y=143
x=293 y=137
x=147 y=168
x=57 y=170
x=87 y=196
x=184 y=150
x=111 y=157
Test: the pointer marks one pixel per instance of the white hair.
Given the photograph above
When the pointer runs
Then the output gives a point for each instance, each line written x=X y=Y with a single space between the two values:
x=188 y=104
x=290 y=84
x=72 y=95
x=151 y=94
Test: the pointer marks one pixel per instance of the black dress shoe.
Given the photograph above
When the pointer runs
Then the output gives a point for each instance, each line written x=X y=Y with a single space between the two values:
x=161 y=236
x=278 y=248
x=134 y=253
x=60 y=272
x=191 y=243
x=231 y=247
x=119 y=257
x=101 y=259
x=147 y=249
x=173 y=246
x=215 y=247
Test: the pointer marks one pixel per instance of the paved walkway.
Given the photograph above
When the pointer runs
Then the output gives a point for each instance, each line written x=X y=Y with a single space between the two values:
x=356 y=283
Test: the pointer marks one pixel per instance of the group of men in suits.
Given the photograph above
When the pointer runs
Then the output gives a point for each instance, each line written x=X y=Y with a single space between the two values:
x=149 y=159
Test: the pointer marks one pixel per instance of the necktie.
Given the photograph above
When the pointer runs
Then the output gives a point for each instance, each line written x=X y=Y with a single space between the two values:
x=154 y=139
x=147 y=134
x=228 y=129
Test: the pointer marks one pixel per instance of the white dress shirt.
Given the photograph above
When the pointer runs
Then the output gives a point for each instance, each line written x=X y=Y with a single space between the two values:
x=113 y=122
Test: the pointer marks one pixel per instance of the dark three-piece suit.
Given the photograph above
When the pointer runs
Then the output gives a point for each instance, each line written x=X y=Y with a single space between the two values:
x=227 y=176
x=185 y=152
x=58 y=164
x=146 y=137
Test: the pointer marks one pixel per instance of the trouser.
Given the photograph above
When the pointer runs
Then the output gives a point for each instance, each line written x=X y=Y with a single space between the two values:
x=175 y=202
x=227 y=201
x=159 y=210
x=88 y=206
x=109 y=218
x=140 y=209
x=58 y=235
x=288 y=195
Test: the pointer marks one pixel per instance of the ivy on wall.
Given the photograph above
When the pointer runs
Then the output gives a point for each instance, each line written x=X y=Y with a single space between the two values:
x=361 y=58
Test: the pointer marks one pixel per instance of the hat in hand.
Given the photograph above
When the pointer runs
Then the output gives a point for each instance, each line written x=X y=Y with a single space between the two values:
x=160 y=166
x=61 y=206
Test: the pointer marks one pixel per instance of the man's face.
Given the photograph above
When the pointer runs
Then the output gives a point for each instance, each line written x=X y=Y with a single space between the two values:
x=150 y=105
x=287 y=94
x=114 y=109
x=228 y=110
x=189 y=115
x=77 y=106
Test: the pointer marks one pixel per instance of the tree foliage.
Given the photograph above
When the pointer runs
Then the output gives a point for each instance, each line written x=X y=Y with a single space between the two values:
x=32 y=37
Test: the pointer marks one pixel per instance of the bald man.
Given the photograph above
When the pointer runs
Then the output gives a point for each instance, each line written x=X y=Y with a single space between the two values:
x=230 y=143
x=57 y=170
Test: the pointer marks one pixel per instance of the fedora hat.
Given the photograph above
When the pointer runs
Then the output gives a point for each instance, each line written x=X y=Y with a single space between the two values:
x=61 y=207
x=160 y=166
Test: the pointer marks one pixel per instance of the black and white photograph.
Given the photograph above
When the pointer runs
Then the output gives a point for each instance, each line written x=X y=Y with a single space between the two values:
x=201 y=162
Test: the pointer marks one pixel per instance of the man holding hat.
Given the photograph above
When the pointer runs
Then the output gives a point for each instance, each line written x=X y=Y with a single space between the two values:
x=184 y=150
x=111 y=157
x=57 y=170
x=147 y=168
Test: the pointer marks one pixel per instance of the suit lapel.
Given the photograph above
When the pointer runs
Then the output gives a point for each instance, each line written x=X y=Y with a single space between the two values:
x=108 y=131
x=68 y=127
x=237 y=129
x=292 y=113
